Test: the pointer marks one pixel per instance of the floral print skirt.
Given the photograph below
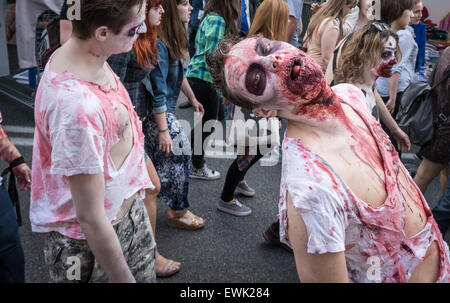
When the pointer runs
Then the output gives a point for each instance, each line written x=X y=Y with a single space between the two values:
x=173 y=170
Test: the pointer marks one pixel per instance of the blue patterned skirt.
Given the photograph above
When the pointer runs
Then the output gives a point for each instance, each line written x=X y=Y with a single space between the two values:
x=173 y=170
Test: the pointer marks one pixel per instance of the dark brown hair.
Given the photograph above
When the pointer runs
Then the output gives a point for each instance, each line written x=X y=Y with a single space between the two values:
x=391 y=10
x=172 y=30
x=111 y=13
x=229 y=10
x=216 y=62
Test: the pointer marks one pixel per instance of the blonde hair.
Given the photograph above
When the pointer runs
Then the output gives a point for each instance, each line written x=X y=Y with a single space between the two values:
x=271 y=20
x=362 y=52
x=333 y=9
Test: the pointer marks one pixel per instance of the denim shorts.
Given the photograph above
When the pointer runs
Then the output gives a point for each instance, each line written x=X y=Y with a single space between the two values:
x=72 y=261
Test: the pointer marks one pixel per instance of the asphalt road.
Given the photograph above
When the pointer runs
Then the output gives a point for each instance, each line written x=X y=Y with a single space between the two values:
x=228 y=249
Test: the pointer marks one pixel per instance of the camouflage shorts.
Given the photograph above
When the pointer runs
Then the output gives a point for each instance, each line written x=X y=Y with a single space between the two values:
x=71 y=261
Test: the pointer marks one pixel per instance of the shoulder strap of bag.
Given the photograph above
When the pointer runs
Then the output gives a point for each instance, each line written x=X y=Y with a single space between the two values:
x=443 y=78
x=442 y=116
x=339 y=50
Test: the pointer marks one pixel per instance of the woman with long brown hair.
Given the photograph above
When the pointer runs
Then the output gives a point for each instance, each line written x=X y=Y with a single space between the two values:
x=221 y=17
x=134 y=68
x=172 y=161
x=326 y=29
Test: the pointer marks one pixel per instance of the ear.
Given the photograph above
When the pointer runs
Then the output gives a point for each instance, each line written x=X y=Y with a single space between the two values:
x=265 y=113
x=101 y=33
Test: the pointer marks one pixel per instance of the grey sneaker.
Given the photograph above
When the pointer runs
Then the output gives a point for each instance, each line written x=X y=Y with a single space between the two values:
x=244 y=190
x=236 y=208
x=204 y=173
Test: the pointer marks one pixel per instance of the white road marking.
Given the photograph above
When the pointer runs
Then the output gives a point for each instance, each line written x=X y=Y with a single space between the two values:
x=19 y=129
x=22 y=141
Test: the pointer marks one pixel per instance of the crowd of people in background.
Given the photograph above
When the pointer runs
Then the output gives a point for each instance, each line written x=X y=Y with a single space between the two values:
x=108 y=144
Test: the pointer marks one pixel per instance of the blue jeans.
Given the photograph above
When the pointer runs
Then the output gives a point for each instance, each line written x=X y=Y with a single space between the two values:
x=12 y=261
x=441 y=212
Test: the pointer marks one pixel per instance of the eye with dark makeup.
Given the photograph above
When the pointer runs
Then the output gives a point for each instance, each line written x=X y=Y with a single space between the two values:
x=133 y=31
x=255 y=81
x=265 y=47
x=387 y=54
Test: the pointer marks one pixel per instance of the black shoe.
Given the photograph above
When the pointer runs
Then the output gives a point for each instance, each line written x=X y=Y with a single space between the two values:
x=272 y=236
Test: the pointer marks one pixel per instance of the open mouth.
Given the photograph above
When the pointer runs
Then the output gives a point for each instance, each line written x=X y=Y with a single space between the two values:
x=295 y=69
x=295 y=77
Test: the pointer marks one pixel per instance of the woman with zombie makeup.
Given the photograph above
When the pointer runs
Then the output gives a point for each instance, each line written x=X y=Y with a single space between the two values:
x=172 y=158
x=326 y=29
x=270 y=21
x=369 y=54
x=221 y=17
x=134 y=69
x=398 y=15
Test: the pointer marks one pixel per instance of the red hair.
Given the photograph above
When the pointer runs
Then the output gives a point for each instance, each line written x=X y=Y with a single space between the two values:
x=145 y=45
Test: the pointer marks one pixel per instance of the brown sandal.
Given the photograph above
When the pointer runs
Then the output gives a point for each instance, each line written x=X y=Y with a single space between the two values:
x=176 y=222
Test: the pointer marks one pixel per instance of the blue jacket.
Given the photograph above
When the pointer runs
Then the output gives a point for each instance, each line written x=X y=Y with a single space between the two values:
x=166 y=78
x=420 y=31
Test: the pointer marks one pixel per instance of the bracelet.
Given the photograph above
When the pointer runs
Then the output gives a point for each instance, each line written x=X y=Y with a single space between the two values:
x=164 y=130
x=16 y=162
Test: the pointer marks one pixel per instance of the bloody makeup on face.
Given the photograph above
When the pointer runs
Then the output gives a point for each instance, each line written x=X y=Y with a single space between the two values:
x=273 y=73
x=137 y=26
x=388 y=59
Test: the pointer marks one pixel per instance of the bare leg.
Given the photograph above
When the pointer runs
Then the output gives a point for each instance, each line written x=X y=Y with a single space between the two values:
x=164 y=267
x=427 y=171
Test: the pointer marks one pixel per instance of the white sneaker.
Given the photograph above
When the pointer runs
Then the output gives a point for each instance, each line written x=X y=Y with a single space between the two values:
x=204 y=173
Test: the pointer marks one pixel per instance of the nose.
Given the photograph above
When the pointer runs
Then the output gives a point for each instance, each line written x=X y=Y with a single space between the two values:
x=271 y=62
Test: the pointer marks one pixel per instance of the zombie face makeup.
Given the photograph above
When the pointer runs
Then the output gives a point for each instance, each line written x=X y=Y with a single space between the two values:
x=136 y=30
x=123 y=42
x=274 y=75
x=387 y=59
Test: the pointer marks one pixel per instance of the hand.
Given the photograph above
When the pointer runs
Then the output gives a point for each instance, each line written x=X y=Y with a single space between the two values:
x=198 y=107
x=165 y=142
x=403 y=142
x=225 y=101
x=23 y=175
x=390 y=105
x=316 y=6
